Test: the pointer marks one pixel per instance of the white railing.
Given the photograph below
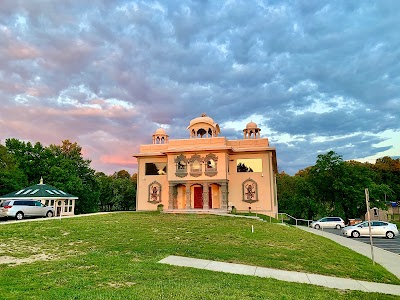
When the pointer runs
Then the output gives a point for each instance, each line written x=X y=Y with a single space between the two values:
x=297 y=221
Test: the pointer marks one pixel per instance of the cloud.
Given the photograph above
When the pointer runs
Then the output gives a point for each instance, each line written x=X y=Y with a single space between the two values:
x=319 y=75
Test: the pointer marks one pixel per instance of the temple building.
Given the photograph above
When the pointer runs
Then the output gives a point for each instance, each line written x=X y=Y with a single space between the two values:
x=207 y=172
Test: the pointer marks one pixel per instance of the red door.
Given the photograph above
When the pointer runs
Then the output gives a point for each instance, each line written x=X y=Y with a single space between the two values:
x=198 y=196
x=209 y=197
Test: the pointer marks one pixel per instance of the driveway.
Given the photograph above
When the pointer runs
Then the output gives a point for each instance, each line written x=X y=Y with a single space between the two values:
x=392 y=245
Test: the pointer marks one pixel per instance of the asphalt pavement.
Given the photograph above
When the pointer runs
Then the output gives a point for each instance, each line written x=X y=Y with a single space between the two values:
x=392 y=245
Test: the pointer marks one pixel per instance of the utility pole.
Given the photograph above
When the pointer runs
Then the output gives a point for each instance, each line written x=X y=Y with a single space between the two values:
x=369 y=225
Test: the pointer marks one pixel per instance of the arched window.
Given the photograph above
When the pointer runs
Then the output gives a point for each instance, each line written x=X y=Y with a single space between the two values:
x=195 y=165
x=210 y=162
x=181 y=165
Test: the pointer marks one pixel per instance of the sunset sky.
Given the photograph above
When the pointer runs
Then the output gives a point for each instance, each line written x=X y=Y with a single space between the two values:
x=314 y=75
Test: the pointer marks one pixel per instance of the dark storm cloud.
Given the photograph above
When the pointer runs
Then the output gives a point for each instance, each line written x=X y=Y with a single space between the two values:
x=109 y=73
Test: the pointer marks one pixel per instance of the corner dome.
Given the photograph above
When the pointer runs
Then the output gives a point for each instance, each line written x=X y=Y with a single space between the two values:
x=251 y=125
x=160 y=131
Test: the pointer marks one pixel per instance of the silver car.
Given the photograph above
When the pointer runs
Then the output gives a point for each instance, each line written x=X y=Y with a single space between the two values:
x=378 y=228
x=328 y=222
x=20 y=209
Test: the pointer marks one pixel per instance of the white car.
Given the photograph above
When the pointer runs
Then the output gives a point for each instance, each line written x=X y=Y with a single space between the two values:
x=20 y=209
x=378 y=228
x=328 y=222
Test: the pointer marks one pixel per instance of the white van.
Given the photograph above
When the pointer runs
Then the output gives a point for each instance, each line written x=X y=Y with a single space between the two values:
x=328 y=222
x=20 y=209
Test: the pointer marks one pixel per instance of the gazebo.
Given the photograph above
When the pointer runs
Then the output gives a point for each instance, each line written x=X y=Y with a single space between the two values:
x=63 y=203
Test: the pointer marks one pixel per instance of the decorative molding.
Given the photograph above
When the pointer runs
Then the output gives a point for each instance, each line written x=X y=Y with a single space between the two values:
x=181 y=173
x=194 y=158
x=211 y=156
x=250 y=191
x=210 y=173
x=195 y=173
x=154 y=192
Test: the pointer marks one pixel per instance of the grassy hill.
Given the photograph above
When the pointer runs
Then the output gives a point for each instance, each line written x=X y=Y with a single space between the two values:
x=115 y=256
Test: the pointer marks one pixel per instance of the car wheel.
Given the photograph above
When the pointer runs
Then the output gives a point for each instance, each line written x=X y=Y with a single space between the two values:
x=390 y=235
x=338 y=226
x=355 y=234
x=19 y=215
x=49 y=214
x=317 y=226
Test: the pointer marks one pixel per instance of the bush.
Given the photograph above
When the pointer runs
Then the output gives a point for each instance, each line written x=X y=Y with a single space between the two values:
x=160 y=207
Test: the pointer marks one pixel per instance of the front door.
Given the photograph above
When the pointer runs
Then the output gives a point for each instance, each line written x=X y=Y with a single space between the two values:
x=198 y=196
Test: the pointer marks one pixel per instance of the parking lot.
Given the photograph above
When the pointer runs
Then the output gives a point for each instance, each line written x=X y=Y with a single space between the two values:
x=392 y=245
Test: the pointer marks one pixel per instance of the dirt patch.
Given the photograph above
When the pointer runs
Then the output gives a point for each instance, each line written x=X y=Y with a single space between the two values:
x=9 y=260
x=117 y=285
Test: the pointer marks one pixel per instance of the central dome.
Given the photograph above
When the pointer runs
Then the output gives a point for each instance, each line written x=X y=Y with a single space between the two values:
x=203 y=126
x=202 y=119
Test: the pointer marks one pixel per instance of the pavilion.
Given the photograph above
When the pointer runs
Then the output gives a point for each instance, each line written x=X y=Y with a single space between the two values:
x=63 y=203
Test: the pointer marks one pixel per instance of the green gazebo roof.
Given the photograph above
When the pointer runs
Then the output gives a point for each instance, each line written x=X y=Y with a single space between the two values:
x=39 y=191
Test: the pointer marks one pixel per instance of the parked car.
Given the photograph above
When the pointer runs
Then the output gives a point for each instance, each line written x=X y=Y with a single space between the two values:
x=328 y=222
x=378 y=228
x=20 y=209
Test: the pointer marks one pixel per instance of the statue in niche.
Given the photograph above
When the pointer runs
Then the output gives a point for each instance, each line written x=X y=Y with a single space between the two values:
x=154 y=194
x=250 y=191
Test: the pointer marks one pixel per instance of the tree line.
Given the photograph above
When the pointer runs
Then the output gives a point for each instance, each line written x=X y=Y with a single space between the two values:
x=63 y=166
x=334 y=187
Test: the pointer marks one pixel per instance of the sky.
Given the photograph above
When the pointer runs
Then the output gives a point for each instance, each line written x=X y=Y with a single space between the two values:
x=315 y=75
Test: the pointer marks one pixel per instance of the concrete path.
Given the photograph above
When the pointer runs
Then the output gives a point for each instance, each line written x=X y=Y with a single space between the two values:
x=321 y=280
x=386 y=259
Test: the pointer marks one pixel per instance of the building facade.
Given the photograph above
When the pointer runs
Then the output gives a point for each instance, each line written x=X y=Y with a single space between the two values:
x=206 y=171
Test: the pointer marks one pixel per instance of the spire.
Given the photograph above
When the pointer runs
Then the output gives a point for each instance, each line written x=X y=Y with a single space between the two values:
x=41 y=180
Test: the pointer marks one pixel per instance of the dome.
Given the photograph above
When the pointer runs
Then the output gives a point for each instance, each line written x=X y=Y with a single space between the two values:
x=251 y=125
x=203 y=119
x=160 y=131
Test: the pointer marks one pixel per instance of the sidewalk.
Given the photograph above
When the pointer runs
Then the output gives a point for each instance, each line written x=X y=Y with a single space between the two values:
x=386 y=259
x=321 y=280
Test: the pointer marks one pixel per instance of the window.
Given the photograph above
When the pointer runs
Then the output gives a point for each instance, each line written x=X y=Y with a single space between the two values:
x=181 y=165
x=156 y=168
x=210 y=164
x=249 y=165
x=195 y=165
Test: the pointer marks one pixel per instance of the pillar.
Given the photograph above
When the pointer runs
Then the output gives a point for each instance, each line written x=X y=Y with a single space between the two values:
x=224 y=192
x=187 y=196
x=175 y=195
x=171 y=197
x=205 y=196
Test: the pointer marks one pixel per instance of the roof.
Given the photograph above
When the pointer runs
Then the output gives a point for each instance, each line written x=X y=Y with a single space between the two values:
x=39 y=191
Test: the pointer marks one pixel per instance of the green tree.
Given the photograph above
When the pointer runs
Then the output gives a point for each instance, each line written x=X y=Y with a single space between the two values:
x=12 y=177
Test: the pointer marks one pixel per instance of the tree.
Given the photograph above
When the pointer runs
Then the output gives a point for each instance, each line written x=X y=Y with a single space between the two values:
x=12 y=177
x=61 y=166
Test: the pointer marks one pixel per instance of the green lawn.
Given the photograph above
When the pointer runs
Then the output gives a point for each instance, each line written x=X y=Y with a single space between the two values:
x=115 y=256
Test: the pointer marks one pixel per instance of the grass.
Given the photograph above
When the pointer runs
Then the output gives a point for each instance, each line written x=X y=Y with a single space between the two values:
x=115 y=256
